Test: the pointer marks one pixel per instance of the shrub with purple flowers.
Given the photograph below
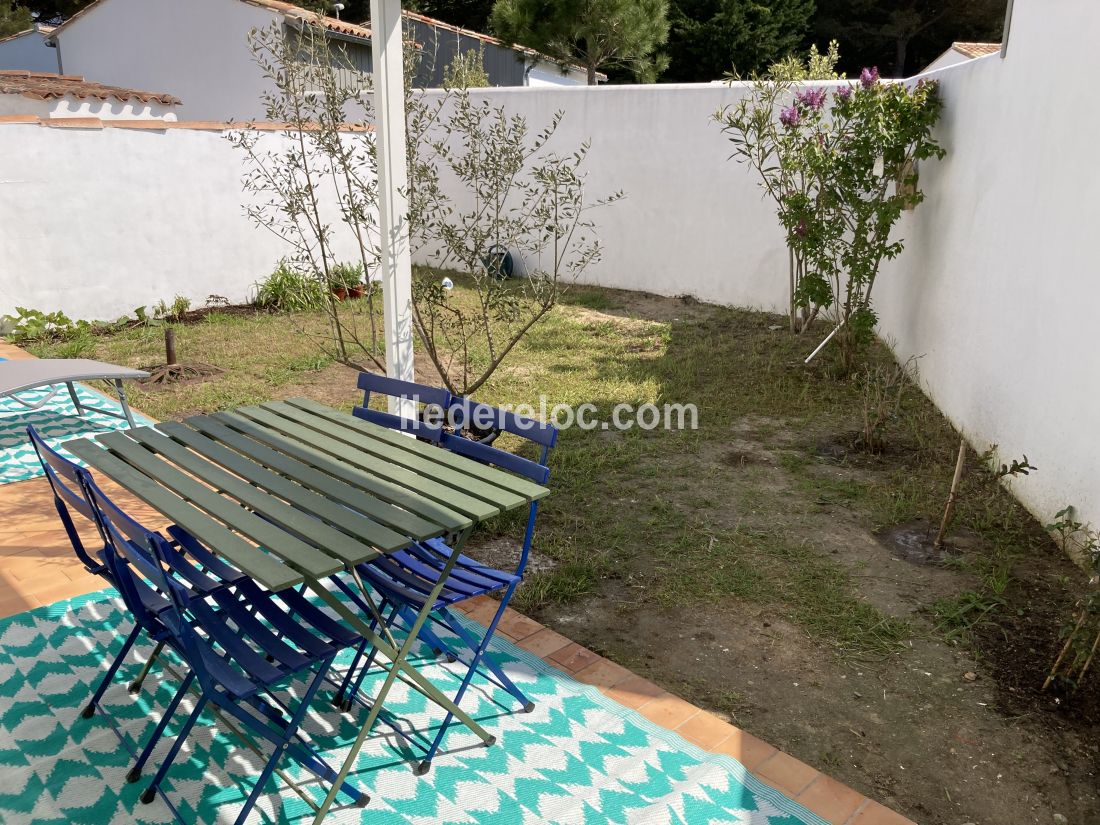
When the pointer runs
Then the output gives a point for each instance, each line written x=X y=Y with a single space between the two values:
x=840 y=165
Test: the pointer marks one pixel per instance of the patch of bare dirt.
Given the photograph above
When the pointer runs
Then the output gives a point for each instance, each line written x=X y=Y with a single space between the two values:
x=648 y=307
x=503 y=553
x=911 y=731
x=942 y=732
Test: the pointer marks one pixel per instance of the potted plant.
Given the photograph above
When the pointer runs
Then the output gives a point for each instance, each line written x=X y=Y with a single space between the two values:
x=347 y=281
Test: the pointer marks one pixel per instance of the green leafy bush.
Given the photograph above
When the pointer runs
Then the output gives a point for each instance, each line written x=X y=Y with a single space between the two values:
x=288 y=290
x=841 y=166
x=33 y=325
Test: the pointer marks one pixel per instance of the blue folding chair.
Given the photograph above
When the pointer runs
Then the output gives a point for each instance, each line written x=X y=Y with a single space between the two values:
x=68 y=482
x=405 y=579
x=241 y=645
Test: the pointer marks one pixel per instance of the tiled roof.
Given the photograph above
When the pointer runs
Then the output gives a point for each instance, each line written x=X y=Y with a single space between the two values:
x=280 y=6
x=169 y=125
x=46 y=86
x=976 y=49
x=330 y=23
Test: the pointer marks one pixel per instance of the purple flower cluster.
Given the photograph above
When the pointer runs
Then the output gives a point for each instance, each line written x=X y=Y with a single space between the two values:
x=789 y=116
x=812 y=98
x=844 y=92
x=869 y=77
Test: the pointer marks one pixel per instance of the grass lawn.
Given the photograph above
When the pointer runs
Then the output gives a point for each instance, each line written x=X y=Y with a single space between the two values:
x=738 y=564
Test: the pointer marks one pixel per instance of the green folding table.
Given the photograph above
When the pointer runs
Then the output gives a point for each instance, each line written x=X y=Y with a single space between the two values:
x=292 y=492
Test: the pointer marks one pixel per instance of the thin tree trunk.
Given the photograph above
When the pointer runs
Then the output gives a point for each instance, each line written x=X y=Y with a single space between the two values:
x=794 y=309
x=952 y=496
x=902 y=47
x=591 y=74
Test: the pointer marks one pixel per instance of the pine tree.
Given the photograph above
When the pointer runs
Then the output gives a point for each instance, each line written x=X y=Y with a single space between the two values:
x=596 y=34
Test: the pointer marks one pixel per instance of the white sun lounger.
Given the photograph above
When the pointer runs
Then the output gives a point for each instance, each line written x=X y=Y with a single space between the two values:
x=30 y=373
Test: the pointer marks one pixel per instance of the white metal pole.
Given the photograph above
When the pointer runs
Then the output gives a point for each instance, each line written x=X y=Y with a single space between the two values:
x=387 y=40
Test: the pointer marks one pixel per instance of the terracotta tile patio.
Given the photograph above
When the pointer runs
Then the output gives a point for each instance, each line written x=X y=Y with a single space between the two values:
x=37 y=567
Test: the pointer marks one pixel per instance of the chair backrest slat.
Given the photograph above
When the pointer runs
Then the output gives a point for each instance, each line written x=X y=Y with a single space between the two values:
x=538 y=473
x=466 y=413
x=64 y=475
x=421 y=394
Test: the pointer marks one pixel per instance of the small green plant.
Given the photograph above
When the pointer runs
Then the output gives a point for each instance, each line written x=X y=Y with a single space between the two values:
x=142 y=318
x=172 y=312
x=956 y=617
x=815 y=66
x=76 y=347
x=466 y=71
x=288 y=290
x=1082 y=632
x=34 y=325
x=882 y=388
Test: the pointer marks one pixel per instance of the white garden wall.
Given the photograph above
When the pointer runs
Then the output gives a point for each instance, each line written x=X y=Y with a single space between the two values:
x=690 y=222
x=999 y=286
x=98 y=221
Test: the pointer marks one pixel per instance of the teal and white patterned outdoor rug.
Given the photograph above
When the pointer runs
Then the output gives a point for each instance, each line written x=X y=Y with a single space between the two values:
x=57 y=421
x=577 y=758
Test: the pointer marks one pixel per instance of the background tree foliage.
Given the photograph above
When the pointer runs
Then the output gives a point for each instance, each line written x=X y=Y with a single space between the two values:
x=903 y=36
x=13 y=18
x=706 y=39
x=596 y=34
x=711 y=38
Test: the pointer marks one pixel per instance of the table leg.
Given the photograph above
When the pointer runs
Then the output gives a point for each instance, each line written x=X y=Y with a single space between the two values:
x=124 y=403
x=398 y=664
x=75 y=398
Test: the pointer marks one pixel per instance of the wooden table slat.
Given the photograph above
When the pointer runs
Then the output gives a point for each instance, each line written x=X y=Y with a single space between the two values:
x=353 y=497
x=266 y=569
x=461 y=481
x=409 y=480
x=385 y=490
x=501 y=478
x=301 y=556
x=298 y=523
x=300 y=496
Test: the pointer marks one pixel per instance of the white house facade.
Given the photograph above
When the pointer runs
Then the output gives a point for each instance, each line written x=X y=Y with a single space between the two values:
x=199 y=50
x=28 y=50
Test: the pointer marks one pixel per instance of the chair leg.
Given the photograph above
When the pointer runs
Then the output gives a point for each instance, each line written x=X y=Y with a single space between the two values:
x=479 y=652
x=109 y=676
x=151 y=792
x=342 y=699
x=427 y=635
x=135 y=772
x=358 y=684
x=282 y=743
x=135 y=686
x=498 y=675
